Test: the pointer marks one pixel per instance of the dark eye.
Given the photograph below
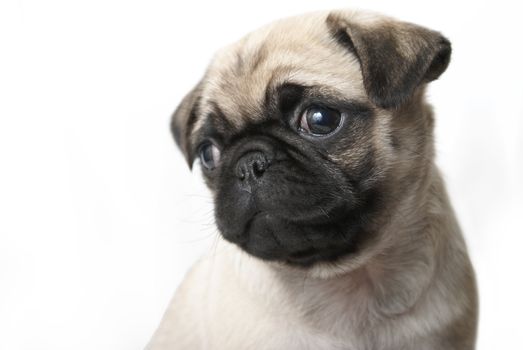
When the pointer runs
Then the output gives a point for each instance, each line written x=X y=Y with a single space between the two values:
x=209 y=155
x=320 y=121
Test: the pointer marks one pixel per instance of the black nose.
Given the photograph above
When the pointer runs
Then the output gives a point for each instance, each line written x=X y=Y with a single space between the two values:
x=252 y=165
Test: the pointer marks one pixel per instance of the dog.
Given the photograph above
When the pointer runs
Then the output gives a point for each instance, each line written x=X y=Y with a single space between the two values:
x=316 y=141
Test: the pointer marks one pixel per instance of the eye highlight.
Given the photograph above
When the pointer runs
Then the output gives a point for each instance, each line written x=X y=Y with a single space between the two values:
x=320 y=121
x=209 y=155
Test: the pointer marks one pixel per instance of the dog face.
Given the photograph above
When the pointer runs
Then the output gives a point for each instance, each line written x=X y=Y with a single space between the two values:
x=311 y=129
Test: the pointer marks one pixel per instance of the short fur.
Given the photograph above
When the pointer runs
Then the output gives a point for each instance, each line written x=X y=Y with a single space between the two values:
x=346 y=242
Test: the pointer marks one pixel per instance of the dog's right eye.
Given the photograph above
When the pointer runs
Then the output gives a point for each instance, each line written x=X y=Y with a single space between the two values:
x=209 y=155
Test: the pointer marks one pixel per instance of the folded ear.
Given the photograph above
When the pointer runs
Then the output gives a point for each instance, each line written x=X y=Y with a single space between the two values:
x=395 y=57
x=182 y=122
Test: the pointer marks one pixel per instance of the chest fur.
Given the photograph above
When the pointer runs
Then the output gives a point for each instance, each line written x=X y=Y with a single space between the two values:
x=256 y=307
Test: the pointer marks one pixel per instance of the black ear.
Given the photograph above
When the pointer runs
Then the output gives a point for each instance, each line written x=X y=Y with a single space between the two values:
x=182 y=122
x=395 y=57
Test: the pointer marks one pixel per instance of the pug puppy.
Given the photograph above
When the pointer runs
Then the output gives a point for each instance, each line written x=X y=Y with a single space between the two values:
x=316 y=141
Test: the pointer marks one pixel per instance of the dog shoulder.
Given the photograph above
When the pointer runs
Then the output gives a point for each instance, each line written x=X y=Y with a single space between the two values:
x=180 y=327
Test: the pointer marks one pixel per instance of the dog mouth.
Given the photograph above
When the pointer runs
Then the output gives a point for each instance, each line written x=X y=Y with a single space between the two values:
x=270 y=237
x=310 y=256
x=325 y=217
x=273 y=233
x=302 y=258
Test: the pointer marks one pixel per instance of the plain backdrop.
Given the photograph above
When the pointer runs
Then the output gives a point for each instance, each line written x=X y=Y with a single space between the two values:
x=99 y=215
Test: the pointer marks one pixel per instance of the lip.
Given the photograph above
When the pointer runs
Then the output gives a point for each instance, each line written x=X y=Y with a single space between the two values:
x=327 y=217
x=310 y=256
x=291 y=247
x=306 y=257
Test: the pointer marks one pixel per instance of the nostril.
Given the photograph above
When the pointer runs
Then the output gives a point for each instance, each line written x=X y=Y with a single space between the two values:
x=252 y=166
x=259 y=167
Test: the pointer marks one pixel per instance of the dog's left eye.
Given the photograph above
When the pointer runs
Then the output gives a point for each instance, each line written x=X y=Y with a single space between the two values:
x=319 y=121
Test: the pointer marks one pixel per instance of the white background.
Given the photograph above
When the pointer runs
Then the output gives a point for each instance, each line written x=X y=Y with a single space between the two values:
x=99 y=215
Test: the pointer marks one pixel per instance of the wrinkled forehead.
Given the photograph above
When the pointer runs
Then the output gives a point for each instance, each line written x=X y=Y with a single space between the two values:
x=298 y=51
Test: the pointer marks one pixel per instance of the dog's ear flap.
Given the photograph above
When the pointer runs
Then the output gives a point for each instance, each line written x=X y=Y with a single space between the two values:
x=182 y=122
x=395 y=57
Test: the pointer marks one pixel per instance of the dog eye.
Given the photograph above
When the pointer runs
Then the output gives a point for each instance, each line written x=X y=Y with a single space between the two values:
x=209 y=155
x=319 y=121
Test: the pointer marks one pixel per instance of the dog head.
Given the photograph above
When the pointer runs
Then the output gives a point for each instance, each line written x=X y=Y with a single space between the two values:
x=310 y=130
